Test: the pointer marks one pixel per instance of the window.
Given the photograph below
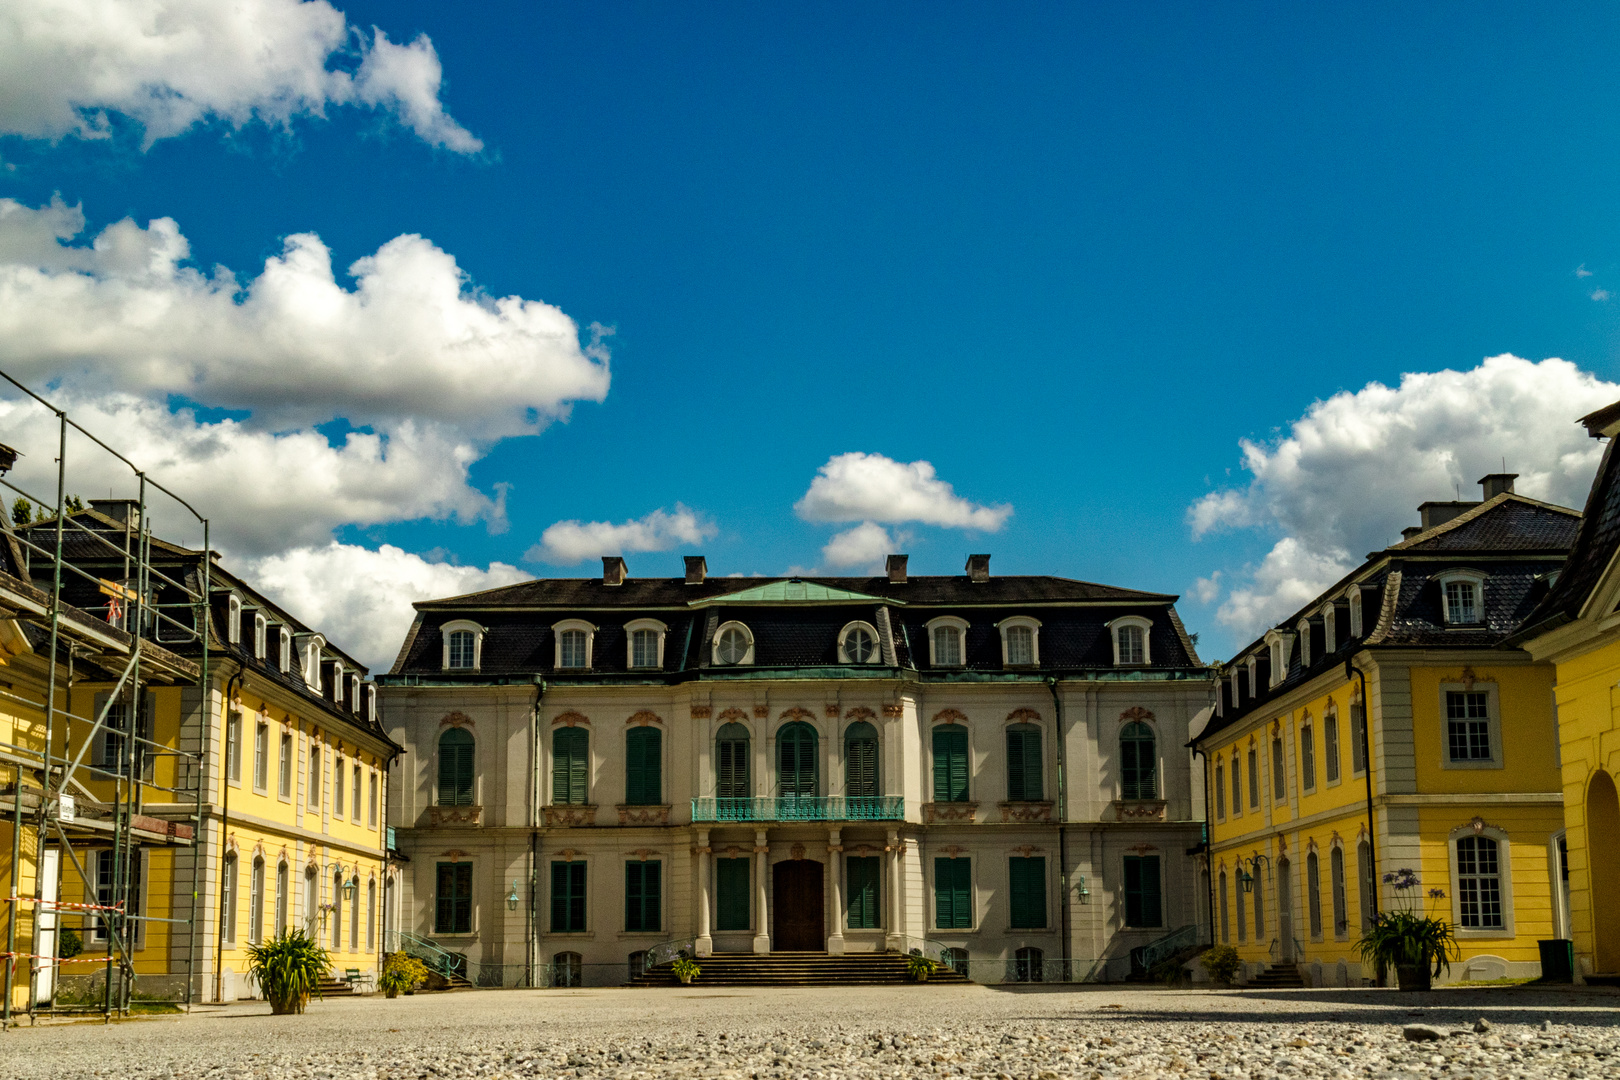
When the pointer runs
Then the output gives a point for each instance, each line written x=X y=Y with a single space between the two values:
x=861 y=761
x=281 y=899
x=1460 y=592
x=1028 y=965
x=796 y=760
x=1143 y=903
x=1304 y=629
x=261 y=637
x=371 y=801
x=733 y=644
x=950 y=763
x=261 y=756
x=1468 y=726
x=1358 y=738
x=452 y=908
x=107 y=862
x=863 y=872
x=284 y=776
x=567 y=897
x=644 y=766
x=314 y=775
x=732 y=762
x=227 y=898
x=567 y=969
x=354 y=915
x=642 y=897
x=354 y=794
x=1313 y=894
x=284 y=648
x=956 y=960
x=1139 y=762
x=731 y=894
x=1131 y=640
x=1364 y=877
x=645 y=638
x=256 y=903
x=1307 y=757
x=338 y=787
x=1024 y=763
x=456 y=767
x=1026 y=879
x=1278 y=649
x=371 y=915
x=1020 y=642
x=1479 y=884
x=1330 y=745
x=946 y=641
x=1220 y=790
x=1226 y=927
x=572 y=644
x=233 y=620
x=337 y=909
x=953 y=894
x=1330 y=629
x=1341 y=913
x=233 y=745
x=312 y=900
x=1237 y=784
x=463 y=645
x=1242 y=917
x=570 y=766
x=1259 y=907
x=1254 y=779
x=858 y=644
x=1355 y=611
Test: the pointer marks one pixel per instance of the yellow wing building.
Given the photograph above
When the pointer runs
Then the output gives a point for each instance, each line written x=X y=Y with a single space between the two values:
x=1385 y=727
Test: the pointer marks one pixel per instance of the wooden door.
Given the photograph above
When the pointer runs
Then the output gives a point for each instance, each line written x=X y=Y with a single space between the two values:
x=796 y=907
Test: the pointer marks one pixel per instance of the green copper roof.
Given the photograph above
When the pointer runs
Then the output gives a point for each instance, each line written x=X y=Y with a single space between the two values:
x=793 y=591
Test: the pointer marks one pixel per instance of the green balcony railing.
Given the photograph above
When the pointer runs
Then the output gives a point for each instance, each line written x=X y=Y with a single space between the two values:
x=790 y=808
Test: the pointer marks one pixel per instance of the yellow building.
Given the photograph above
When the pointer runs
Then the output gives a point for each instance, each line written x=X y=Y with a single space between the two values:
x=1577 y=629
x=1386 y=726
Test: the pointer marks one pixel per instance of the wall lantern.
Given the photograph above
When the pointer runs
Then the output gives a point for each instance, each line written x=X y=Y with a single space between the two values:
x=1085 y=893
x=1245 y=880
x=512 y=897
x=349 y=887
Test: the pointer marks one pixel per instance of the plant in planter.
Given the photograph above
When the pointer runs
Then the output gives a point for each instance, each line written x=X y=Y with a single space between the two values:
x=288 y=968
x=401 y=971
x=919 y=967
x=686 y=969
x=68 y=943
x=1419 y=947
x=1222 y=963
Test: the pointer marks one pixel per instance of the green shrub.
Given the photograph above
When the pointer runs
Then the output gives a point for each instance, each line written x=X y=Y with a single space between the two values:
x=68 y=943
x=401 y=972
x=685 y=968
x=1222 y=963
x=288 y=969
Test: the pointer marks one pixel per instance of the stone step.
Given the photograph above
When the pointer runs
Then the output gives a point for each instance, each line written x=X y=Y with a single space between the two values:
x=796 y=969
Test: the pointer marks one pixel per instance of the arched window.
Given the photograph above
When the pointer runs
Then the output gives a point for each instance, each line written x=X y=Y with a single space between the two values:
x=1131 y=646
x=1259 y=906
x=572 y=643
x=1307 y=757
x=461 y=649
x=1330 y=744
x=228 y=889
x=456 y=767
x=861 y=761
x=1139 y=761
x=950 y=763
x=1242 y=917
x=1279 y=771
x=1366 y=884
x=570 y=765
x=1028 y=965
x=1024 y=770
x=354 y=916
x=644 y=766
x=281 y=898
x=256 y=902
x=1020 y=641
x=731 y=744
x=1226 y=926
x=858 y=644
x=1313 y=893
x=337 y=910
x=1220 y=790
x=796 y=761
x=312 y=900
x=945 y=641
x=1341 y=913
x=1355 y=611
x=1237 y=784
x=567 y=969
x=1461 y=591
x=645 y=640
x=733 y=644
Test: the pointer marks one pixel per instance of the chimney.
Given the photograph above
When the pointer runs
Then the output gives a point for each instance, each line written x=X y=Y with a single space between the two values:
x=612 y=570
x=978 y=568
x=1410 y=531
x=125 y=510
x=1498 y=483
x=1438 y=513
x=697 y=568
x=897 y=569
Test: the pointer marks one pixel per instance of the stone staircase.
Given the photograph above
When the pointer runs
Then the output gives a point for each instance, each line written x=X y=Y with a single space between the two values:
x=797 y=969
x=1277 y=977
x=331 y=988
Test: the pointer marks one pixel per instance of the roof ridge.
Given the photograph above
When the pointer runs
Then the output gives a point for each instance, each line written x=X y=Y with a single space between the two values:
x=1474 y=514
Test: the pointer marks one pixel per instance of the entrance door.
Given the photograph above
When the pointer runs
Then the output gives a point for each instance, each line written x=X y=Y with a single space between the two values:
x=1603 y=863
x=1285 y=911
x=796 y=907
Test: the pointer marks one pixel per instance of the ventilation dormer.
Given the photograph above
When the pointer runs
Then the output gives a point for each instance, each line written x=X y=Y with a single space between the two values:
x=978 y=567
x=613 y=570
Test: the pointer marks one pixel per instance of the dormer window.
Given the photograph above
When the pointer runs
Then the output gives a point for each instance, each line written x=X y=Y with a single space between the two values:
x=1463 y=597
x=733 y=644
x=261 y=636
x=1020 y=642
x=354 y=692
x=1131 y=647
x=1280 y=645
x=337 y=682
x=310 y=660
x=1355 y=611
x=946 y=641
x=233 y=619
x=645 y=640
x=575 y=638
x=1304 y=629
x=858 y=644
x=1330 y=630
x=463 y=645
x=284 y=648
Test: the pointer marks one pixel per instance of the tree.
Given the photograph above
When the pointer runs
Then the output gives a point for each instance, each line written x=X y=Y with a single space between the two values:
x=22 y=512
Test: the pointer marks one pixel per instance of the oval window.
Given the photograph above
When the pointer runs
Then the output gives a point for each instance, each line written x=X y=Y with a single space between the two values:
x=860 y=646
x=732 y=646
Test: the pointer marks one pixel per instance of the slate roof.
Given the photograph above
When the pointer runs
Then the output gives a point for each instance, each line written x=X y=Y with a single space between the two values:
x=1508 y=522
x=1594 y=549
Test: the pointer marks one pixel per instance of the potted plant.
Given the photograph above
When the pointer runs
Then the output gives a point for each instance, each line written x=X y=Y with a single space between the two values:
x=1419 y=947
x=288 y=968
x=919 y=967
x=401 y=971
x=686 y=969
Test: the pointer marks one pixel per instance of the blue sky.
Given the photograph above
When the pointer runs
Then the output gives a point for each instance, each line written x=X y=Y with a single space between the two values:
x=1068 y=255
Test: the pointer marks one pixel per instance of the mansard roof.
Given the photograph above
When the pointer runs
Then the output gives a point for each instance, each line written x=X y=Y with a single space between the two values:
x=1594 y=549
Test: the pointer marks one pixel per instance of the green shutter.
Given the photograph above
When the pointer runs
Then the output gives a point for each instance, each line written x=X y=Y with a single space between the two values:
x=731 y=888
x=642 y=894
x=644 y=782
x=1143 y=904
x=1024 y=763
x=567 y=897
x=444 y=896
x=860 y=761
x=863 y=892
x=1027 y=878
x=1139 y=762
x=950 y=763
x=733 y=769
x=796 y=760
x=570 y=760
x=456 y=768
x=953 y=893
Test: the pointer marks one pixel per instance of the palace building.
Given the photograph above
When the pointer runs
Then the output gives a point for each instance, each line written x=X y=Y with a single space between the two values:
x=1391 y=725
x=989 y=769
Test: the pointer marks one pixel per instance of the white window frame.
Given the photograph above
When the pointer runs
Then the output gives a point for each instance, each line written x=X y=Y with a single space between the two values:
x=1303 y=630
x=260 y=636
x=339 y=786
x=714 y=650
x=456 y=626
x=1034 y=626
x=960 y=625
x=557 y=630
x=1330 y=628
x=337 y=682
x=1280 y=644
x=1493 y=726
x=1471 y=577
x=287 y=766
x=261 y=755
x=1330 y=722
x=1356 y=624
x=631 y=628
x=233 y=619
x=310 y=659
x=284 y=648
x=1305 y=755
x=354 y=692
x=843 y=636
x=1504 y=873
x=1146 y=626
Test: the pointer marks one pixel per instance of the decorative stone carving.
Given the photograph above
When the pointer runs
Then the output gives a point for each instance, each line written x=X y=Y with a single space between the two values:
x=835 y=848
x=1149 y=810
x=454 y=855
x=562 y=817
x=643 y=853
x=949 y=811
x=1023 y=716
x=1026 y=850
x=643 y=815
x=1142 y=849
x=950 y=716
x=1136 y=712
x=797 y=713
x=733 y=714
x=701 y=712
x=455 y=719
x=570 y=719
x=832 y=712
x=643 y=718
x=1025 y=811
x=761 y=712
x=797 y=851
x=455 y=815
x=860 y=712
x=568 y=854
x=894 y=712
x=733 y=851
x=952 y=851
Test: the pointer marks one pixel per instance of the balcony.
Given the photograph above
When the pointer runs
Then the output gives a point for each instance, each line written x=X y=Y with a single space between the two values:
x=832 y=808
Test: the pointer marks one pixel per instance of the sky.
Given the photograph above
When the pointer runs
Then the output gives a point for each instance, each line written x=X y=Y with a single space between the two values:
x=413 y=299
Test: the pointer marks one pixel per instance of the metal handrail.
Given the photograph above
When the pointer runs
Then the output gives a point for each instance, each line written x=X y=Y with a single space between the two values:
x=1144 y=957
x=801 y=808
x=437 y=958
x=667 y=951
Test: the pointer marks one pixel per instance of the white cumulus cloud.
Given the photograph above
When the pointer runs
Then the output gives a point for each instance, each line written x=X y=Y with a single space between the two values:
x=568 y=542
x=68 y=66
x=1351 y=472
x=866 y=545
x=874 y=488
x=361 y=599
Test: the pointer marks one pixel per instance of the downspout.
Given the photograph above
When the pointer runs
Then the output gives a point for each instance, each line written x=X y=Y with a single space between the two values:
x=531 y=935
x=1063 y=805
x=224 y=822
x=1366 y=756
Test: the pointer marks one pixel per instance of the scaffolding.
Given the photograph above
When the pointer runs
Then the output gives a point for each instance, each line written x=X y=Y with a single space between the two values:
x=113 y=805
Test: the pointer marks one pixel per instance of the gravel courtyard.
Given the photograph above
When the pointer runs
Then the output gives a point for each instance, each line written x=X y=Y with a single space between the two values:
x=1029 y=1033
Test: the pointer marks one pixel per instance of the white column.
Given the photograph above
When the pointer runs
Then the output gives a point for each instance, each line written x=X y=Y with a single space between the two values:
x=891 y=906
x=704 y=945
x=835 y=857
x=762 y=910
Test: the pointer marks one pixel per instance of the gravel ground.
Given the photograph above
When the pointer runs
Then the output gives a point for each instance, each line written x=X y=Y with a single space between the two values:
x=1030 y=1033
